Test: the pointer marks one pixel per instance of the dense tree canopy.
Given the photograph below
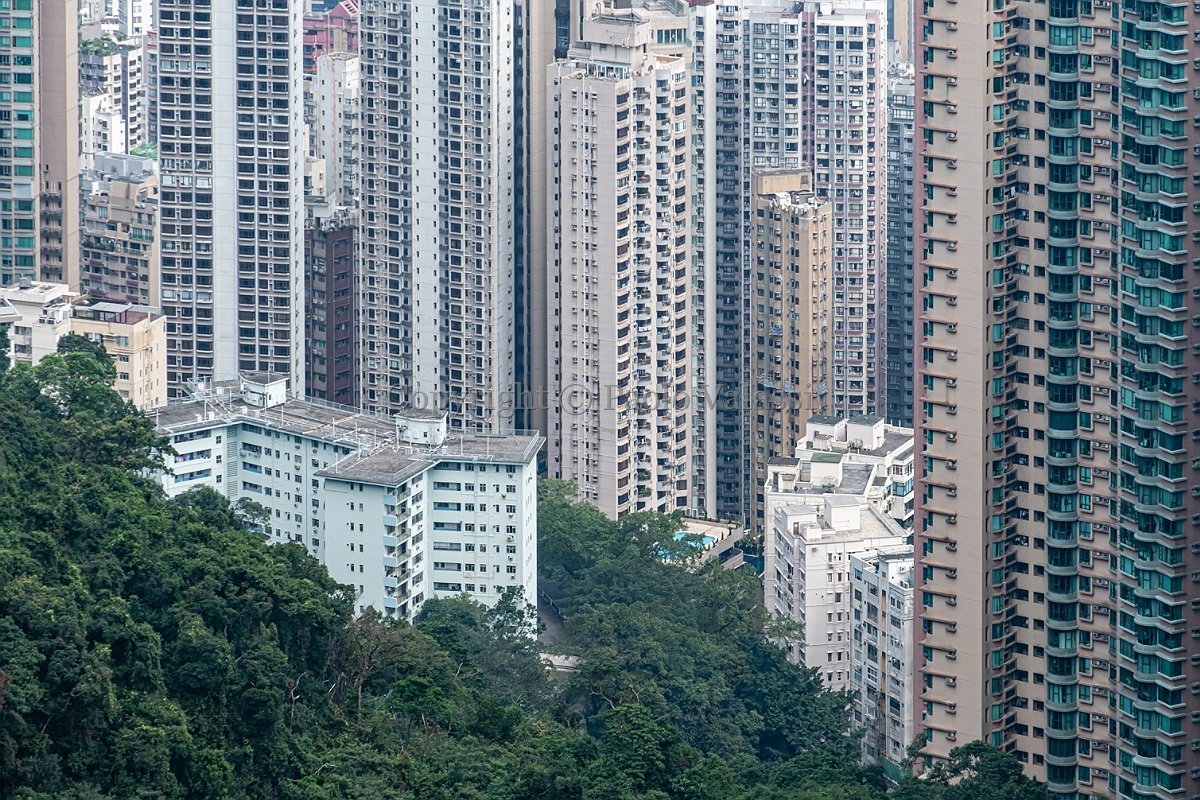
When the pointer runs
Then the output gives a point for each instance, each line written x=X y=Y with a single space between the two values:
x=159 y=649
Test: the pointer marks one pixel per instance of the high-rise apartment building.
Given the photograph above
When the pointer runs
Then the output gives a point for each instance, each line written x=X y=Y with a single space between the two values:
x=330 y=308
x=39 y=160
x=119 y=253
x=844 y=138
x=230 y=139
x=899 y=291
x=775 y=85
x=619 y=237
x=334 y=132
x=1055 y=410
x=437 y=268
x=791 y=317
x=114 y=68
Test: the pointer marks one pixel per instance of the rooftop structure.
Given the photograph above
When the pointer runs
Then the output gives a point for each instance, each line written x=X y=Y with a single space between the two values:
x=861 y=456
x=371 y=496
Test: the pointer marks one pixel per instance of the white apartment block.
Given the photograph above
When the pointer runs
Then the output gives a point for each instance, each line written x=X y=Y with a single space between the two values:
x=230 y=136
x=861 y=456
x=398 y=508
x=847 y=491
x=881 y=654
x=115 y=69
x=783 y=85
x=438 y=222
x=334 y=132
x=619 y=238
x=39 y=314
x=102 y=128
x=807 y=549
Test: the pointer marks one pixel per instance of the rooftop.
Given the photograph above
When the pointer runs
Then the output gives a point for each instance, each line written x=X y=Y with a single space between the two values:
x=379 y=455
x=893 y=439
x=327 y=422
x=872 y=523
x=394 y=464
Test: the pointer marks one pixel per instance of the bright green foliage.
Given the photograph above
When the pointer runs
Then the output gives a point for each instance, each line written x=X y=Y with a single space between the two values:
x=156 y=649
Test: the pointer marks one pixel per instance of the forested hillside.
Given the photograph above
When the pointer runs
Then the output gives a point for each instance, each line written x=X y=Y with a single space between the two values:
x=158 y=649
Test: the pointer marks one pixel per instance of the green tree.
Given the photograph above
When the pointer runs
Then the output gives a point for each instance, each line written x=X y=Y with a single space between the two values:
x=74 y=343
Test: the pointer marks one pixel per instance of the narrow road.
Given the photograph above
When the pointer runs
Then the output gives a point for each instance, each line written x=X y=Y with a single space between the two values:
x=553 y=631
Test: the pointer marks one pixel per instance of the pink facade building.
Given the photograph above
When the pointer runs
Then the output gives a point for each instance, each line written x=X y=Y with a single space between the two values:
x=332 y=31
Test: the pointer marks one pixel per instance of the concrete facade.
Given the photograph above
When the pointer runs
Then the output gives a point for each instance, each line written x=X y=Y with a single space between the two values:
x=119 y=247
x=229 y=100
x=331 y=309
x=1058 y=499
x=39 y=314
x=881 y=654
x=618 y=213
x=116 y=69
x=399 y=509
x=335 y=133
x=807 y=550
x=437 y=236
x=790 y=329
x=783 y=85
x=39 y=168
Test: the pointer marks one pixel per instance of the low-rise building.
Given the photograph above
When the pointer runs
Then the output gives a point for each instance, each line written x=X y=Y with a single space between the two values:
x=394 y=507
x=806 y=575
x=119 y=249
x=136 y=338
x=881 y=654
x=40 y=314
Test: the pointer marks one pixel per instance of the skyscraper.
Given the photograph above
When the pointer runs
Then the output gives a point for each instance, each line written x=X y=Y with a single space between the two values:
x=1056 y=547
x=783 y=85
x=618 y=353
x=39 y=156
x=791 y=317
x=437 y=265
x=535 y=26
x=230 y=137
x=899 y=291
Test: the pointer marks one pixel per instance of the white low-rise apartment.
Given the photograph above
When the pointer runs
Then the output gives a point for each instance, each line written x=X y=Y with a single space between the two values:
x=394 y=507
x=881 y=653
x=806 y=573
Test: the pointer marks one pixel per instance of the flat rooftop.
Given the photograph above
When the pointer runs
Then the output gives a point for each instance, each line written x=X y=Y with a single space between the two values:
x=329 y=423
x=872 y=524
x=894 y=439
x=379 y=455
x=396 y=463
